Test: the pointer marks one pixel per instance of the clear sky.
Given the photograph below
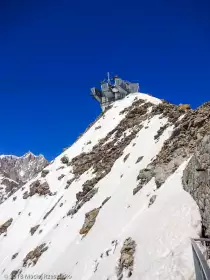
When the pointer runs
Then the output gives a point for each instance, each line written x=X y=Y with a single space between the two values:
x=53 y=52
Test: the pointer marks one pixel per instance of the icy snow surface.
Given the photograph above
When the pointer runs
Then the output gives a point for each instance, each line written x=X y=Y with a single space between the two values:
x=162 y=231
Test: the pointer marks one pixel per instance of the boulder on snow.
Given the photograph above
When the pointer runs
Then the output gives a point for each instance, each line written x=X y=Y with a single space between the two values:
x=139 y=159
x=61 y=177
x=34 y=255
x=14 y=256
x=44 y=173
x=126 y=260
x=34 y=229
x=4 y=227
x=37 y=187
x=65 y=160
x=90 y=219
x=152 y=200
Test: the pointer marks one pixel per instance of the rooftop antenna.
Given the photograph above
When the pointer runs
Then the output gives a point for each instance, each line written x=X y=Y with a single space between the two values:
x=108 y=77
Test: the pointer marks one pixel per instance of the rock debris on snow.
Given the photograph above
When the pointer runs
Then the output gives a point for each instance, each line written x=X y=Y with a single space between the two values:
x=96 y=194
x=126 y=260
x=4 y=227
x=33 y=256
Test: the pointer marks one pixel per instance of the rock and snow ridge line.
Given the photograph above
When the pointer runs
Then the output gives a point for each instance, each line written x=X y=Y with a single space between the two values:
x=16 y=171
x=89 y=189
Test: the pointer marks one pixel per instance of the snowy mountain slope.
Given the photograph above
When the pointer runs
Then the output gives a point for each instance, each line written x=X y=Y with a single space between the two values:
x=97 y=211
x=16 y=171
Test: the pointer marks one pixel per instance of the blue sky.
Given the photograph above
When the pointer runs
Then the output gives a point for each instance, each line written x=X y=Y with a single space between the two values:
x=52 y=52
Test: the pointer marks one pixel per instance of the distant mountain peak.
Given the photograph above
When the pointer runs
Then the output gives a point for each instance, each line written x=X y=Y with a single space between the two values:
x=19 y=170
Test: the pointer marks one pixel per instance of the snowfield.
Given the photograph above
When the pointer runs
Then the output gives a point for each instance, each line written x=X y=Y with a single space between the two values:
x=161 y=231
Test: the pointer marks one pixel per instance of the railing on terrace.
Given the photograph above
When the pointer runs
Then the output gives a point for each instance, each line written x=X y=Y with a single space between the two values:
x=201 y=255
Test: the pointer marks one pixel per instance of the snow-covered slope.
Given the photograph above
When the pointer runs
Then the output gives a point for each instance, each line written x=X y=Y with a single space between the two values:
x=97 y=212
x=16 y=171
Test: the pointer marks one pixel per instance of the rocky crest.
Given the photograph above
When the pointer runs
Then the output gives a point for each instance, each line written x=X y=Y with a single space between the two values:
x=189 y=128
x=16 y=171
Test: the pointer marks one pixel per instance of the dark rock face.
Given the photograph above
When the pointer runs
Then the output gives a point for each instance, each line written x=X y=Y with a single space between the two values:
x=126 y=260
x=196 y=181
x=16 y=171
x=34 y=255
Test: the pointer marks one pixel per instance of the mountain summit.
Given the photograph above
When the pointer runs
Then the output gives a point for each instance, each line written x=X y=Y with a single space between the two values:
x=122 y=202
x=16 y=171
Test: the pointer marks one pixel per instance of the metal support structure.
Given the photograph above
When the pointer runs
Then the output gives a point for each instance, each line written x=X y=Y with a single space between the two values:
x=202 y=270
x=112 y=91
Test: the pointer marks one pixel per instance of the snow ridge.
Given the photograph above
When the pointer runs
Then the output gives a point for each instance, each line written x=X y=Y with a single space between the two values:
x=80 y=218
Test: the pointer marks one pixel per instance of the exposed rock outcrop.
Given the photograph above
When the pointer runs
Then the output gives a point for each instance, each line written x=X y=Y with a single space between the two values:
x=44 y=173
x=14 y=256
x=152 y=200
x=126 y=260
x=90 y=219
x=15 y=273
x=38 y=187
x=4 y=227
x=187 y=133
x=104 y=154
x=34 y=229
x=65 y=160
x=33 y=256
x=196 y=181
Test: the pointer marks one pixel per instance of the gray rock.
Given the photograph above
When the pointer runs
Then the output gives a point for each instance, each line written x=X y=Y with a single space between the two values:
x=44 y=173
x=152 y=200
x=16 y=171
x=4 y=227
x=139 y=159
x=126 y=260
x=65 y=160
x=90 y=219
x=197 y=182
x=61 y=177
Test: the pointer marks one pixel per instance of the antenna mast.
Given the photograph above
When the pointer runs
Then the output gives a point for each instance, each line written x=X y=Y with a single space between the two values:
x=108 y=77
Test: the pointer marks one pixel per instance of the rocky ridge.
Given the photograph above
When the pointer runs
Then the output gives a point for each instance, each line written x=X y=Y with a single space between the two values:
x=16 y=171
x=189 y=128
x=114 y=151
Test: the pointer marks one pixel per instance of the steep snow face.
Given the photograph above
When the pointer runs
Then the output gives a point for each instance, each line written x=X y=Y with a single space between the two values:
x=15 y=171
x=57 y=225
